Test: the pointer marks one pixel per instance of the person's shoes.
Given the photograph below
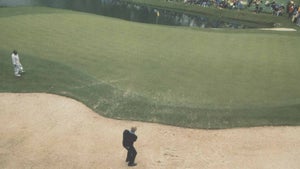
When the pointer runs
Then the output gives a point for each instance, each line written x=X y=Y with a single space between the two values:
x=17 y=75
x=131 y=165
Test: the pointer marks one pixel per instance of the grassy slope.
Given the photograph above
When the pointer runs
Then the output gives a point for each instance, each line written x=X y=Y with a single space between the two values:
x=246 y=15
x=178 y=76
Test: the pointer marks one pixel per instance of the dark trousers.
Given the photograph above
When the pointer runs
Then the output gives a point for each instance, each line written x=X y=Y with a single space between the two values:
x=131 y=153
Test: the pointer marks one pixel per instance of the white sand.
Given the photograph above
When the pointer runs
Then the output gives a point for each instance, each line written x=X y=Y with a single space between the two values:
x=279 y=29
x=44 y=131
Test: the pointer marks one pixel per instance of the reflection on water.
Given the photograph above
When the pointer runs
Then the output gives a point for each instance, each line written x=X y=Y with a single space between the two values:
x=133 y=12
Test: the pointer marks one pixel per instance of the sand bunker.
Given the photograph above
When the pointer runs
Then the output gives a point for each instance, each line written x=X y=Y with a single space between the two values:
x=44 y=131
x=279 y=29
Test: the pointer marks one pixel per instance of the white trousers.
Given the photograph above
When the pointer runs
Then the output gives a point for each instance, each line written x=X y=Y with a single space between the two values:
x=18 y=69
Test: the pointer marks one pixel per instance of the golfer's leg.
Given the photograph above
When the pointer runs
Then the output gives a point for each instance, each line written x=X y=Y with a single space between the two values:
x=128 y=156
x=16 y=70
x=132 y=154
x=20 y=68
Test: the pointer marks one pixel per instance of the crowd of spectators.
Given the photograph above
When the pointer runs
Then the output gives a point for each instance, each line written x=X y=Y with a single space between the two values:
x=290 y=9
x=293 y=11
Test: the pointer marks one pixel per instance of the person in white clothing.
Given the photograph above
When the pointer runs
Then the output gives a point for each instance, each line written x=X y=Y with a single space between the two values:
x=18 y=68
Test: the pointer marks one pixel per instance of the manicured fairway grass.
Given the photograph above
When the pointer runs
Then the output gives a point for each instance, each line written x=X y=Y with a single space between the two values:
x=173 y=75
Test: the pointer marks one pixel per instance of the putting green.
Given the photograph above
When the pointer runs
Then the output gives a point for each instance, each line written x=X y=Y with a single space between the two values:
x=173 y=75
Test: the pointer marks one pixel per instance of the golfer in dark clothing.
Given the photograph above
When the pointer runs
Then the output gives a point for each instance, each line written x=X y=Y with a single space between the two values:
x=129 y=138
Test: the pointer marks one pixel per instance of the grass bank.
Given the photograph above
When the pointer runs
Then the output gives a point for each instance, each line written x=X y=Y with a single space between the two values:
x=179 y=76
x=246 y=15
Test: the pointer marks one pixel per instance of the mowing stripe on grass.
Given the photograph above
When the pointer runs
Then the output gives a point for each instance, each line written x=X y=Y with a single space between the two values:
x=172 y=75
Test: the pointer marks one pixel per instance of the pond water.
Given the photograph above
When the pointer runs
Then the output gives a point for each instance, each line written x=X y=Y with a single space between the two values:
x=136 y=13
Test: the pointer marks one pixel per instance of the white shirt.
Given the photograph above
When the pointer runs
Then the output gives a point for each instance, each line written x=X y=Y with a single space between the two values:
x=15 y=59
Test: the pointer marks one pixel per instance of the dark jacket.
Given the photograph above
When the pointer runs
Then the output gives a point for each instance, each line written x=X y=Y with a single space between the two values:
x=128 y=138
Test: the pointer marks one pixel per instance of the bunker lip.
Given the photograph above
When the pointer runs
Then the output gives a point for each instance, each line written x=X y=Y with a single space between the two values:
x=40 y=130
x=279 y=29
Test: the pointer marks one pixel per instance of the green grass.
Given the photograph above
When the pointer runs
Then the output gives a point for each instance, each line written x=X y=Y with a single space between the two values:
x=200 y=78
